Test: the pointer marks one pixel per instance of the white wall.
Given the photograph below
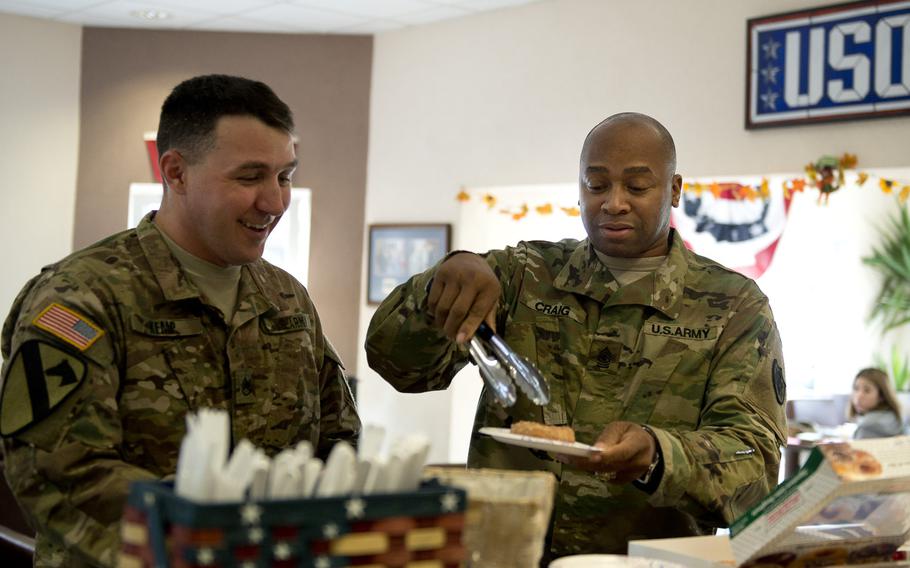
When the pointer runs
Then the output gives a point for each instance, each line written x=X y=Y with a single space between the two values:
x=822 y=293
x=39 y=140
x=506 y=98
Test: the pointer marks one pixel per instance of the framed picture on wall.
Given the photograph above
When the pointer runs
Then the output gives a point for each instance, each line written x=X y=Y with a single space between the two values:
x=397 y=252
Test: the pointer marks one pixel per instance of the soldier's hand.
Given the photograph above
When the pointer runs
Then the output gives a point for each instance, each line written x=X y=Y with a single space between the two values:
x=464 y=293
x=626 y=452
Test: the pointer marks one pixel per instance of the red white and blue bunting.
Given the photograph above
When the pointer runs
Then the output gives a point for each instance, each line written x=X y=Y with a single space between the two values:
x=739 y=233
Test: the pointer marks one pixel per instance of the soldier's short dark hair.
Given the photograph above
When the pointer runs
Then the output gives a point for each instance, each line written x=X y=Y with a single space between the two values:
x=665 y=137
x=190 y=113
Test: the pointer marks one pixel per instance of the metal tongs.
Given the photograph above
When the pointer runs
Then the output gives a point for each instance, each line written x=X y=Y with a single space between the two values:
x=502 y=369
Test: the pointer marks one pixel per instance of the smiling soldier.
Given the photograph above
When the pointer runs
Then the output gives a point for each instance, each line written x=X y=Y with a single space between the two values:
x=108 y=350
x=666 y=361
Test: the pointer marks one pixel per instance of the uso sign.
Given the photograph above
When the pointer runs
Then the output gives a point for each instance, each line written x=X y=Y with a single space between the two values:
x=831 y=63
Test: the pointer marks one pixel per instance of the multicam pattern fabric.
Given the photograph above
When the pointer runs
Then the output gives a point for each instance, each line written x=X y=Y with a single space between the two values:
x=165 y=353
x=688 y=350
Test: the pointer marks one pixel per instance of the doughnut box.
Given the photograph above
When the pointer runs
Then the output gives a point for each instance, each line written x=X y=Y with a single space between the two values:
x=849 y=504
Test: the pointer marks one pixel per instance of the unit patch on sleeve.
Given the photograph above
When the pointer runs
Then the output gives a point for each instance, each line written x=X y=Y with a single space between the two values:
x=37 y=380
x=65 y=324
x=780 y=385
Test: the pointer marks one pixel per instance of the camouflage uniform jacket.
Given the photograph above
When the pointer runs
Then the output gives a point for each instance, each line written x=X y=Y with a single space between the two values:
x=163 y=352
x=690 y=350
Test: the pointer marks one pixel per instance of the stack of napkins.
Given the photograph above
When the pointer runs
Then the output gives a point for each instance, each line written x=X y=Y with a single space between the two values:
x=206 y=473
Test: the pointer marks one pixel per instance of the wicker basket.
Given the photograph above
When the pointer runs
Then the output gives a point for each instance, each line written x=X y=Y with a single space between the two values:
x=418 y=529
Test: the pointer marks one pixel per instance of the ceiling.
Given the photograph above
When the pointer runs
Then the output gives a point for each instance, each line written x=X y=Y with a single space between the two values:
x=272 y=16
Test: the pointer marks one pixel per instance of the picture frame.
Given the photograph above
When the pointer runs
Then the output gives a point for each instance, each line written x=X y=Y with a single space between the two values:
x=399 y=251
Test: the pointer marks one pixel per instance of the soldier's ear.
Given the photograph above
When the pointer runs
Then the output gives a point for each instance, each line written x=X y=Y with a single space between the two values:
x=677 y=189
x=173 y=167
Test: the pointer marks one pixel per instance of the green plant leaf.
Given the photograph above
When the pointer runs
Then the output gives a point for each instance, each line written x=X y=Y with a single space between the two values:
x=900 y=369
x=891 y=260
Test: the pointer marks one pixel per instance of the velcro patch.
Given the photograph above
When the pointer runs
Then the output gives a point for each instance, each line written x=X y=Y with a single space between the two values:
x=166 y=327
x=559 y=310
x=780 y=385
x=286 y=324
x=65 y=324
x=671 y=330
x=39 y=378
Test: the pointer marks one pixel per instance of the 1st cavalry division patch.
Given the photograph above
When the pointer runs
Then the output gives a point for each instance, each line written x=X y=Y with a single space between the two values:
x=39 y=378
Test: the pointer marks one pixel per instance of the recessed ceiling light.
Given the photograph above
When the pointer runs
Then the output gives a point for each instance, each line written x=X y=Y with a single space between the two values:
x=153 y=15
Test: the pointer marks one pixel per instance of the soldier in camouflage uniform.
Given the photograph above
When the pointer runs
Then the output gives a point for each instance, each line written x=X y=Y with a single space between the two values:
x=107 y=350
x=667 y=361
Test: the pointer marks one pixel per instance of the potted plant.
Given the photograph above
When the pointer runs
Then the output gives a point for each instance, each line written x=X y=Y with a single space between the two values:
x=898 y=368
x=891 y=259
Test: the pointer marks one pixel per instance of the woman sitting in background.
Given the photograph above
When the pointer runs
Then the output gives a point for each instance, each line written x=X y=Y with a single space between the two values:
x=874 y=405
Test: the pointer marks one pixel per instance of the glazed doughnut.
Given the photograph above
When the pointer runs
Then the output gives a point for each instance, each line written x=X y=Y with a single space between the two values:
x=822 y=557
x=538 y=430
x=775 y=560
x=878 y=552
x=851 y=463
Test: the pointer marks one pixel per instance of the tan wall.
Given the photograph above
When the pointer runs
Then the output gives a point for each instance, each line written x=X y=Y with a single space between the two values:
x=39 y=133
x=126 y=74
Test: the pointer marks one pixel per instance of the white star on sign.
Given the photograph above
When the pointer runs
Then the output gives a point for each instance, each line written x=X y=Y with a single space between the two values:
x=282 y=551
x=449 y=502
x=148 y=499
x=205 y=556
x=770 y=100
x=355 y=508
x=330 y=530
x=770 y=74
x=251 y=513
x=323 y=562
x=255 y=535
x=770 y=48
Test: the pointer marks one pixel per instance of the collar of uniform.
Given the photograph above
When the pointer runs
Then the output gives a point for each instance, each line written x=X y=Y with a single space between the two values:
x=252 y=298
x=173 y=282
x=669 y=280
x=264 y=287
x=585 y=274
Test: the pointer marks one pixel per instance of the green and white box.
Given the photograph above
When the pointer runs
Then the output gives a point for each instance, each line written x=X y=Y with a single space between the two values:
x=849 y=504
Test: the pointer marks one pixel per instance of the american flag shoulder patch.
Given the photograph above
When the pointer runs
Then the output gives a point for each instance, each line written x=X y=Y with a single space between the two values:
x=68 y=325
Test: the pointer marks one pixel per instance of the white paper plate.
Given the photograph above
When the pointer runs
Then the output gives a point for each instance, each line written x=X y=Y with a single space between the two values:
x=810 y=436
x=610 y=561
x=505 y=436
